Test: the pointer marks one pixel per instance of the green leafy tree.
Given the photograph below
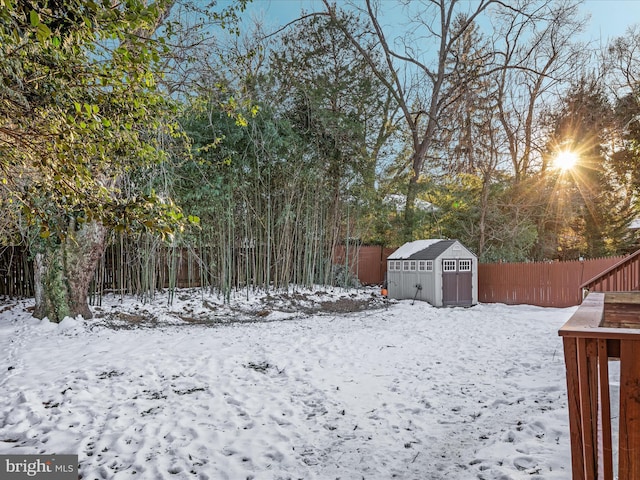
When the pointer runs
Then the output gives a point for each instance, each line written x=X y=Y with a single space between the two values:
x=261 y=206
x=509 y=233
x=276 y=195
x=79 y=109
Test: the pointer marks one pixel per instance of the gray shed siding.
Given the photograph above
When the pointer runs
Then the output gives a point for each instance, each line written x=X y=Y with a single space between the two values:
x=401 y=284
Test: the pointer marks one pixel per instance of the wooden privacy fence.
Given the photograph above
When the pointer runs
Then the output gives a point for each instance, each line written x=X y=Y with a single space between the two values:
x=546 y=284
x=367 y=262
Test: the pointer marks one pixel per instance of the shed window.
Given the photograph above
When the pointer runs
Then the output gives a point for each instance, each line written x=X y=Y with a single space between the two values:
x=464 y=265
x=405 y=265
x=412 y=265
x=398 y=265
x=429 y=265
x=448 y=265
x=392 y=265
x=421 y=265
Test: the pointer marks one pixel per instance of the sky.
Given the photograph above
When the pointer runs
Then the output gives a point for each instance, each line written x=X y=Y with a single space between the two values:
x=609 y=18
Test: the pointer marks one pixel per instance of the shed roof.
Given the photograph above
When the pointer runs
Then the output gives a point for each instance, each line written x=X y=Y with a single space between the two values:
x=421 y=249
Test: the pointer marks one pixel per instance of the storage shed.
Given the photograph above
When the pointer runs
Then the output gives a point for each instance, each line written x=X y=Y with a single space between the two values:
x=441 y=272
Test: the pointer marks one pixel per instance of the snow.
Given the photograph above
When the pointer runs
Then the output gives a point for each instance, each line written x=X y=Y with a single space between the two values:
x=289 y=386
x=409 y=248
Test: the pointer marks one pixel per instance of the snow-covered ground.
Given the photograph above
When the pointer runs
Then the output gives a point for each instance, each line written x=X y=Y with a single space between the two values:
x=289 y=387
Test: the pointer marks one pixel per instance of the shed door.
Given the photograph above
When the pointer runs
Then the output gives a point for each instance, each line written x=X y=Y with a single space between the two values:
x=457 y=282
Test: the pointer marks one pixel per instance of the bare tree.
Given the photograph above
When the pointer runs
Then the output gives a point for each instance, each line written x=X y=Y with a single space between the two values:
x=623 y=61
x=416 y=76
x=531 y=40
x=536 y=55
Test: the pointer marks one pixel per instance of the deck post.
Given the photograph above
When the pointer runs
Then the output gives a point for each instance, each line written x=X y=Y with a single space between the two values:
x=605 y=467
x=575 y=408
x=629 y=449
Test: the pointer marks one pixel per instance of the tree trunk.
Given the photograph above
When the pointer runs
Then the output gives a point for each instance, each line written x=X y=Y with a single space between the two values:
x=63 y=272
x=410 y=210
x=484 y=206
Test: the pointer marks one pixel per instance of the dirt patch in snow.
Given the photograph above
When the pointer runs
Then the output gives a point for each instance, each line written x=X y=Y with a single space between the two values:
x=270 y=307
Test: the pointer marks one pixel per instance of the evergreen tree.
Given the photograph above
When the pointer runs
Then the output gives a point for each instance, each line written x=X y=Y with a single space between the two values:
x=593 y=202
x=340 y=110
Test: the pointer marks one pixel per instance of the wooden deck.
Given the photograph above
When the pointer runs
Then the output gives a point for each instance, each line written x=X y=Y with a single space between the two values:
x=606 y=326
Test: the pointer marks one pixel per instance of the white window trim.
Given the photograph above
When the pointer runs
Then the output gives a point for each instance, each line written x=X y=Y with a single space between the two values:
x=422 y=265
x=468 y=265
x=449 y=263
x=429 y=266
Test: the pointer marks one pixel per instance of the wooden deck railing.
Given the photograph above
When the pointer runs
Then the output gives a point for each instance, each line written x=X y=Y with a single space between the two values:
x=605 y=327
x=620 y=277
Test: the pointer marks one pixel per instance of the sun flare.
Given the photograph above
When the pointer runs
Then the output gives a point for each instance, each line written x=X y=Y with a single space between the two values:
x=565 y=160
